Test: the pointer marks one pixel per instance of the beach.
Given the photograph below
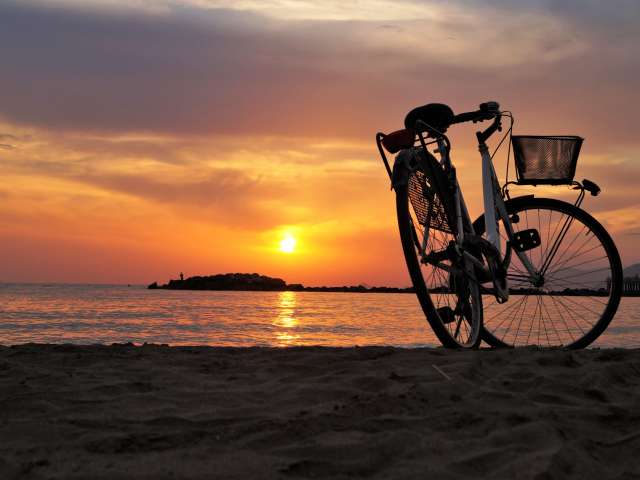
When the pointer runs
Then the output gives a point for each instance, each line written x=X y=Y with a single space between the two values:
x=153 y=411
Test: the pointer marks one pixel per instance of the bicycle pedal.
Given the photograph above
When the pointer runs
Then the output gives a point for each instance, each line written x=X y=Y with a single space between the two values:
x=446 y=315
x=526 y=240
x=436 y=256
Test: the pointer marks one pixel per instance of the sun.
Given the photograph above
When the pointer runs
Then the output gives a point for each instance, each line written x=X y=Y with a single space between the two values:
x=288 y=244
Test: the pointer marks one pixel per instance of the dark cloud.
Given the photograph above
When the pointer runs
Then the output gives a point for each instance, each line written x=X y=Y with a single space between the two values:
x=85 y=70
x=590 y=14
x=192 y=71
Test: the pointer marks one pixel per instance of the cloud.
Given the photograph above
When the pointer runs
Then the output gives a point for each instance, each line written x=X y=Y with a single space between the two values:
x=7 y=137
x=258 y=183
x=4 y=137
x=248 y=68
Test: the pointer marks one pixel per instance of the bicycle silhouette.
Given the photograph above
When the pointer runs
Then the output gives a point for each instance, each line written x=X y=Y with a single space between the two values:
x=529 y=270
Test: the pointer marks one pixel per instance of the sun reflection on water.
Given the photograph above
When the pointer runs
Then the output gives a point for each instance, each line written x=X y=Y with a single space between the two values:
x=286 y=318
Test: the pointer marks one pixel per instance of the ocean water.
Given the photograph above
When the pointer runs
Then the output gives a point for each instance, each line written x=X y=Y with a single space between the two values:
x=88 y=314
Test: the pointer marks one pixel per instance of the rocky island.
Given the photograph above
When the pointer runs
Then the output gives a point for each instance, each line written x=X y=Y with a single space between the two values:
x=257 y=282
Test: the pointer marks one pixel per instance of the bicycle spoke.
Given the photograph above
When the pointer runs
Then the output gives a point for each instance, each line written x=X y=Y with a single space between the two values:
x=582 y=273
x=553 y=324
x=565 y=267
x=576 y=254
x=560 y=309
x=568 y=246
x=526 y=302
x=563 y=320
x=571 y=314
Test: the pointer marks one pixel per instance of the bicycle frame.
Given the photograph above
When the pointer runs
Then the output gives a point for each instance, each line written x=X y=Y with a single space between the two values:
x=493 y=204
x=492 y=198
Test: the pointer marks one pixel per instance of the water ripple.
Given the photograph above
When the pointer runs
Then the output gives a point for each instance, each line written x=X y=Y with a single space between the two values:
x=108 y=314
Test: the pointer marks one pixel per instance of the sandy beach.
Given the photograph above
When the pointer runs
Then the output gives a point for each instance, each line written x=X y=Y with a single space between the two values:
x=160 y=412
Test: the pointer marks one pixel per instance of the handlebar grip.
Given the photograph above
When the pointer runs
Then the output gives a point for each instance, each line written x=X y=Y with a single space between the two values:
x=487 y=111
x=490 y=108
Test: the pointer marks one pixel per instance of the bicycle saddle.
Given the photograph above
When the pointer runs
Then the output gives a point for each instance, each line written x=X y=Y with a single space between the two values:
x=398 y=140
x=436 y=115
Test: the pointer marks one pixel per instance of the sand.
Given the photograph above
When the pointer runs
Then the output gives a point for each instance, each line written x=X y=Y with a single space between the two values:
x=159 y=412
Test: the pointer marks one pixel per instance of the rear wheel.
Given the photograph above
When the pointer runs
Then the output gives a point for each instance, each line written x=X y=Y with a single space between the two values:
x=578 y=288
x=448 y=294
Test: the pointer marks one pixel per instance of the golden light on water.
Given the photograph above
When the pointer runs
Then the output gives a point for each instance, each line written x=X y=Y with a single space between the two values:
x=288 y=244
x=286 y=320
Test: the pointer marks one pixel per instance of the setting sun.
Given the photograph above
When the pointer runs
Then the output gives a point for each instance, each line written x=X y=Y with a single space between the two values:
x=288 y=244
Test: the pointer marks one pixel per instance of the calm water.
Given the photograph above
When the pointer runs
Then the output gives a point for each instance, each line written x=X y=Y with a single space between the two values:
x=106 y=314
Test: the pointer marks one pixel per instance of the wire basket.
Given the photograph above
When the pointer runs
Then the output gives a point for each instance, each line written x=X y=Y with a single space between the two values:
x=546 y=160
x=427 y=204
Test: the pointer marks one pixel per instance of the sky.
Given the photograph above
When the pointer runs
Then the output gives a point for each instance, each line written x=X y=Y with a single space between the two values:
x=140 y=139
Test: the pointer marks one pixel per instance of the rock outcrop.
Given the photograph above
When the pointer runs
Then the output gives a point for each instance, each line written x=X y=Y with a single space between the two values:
x=256 y=282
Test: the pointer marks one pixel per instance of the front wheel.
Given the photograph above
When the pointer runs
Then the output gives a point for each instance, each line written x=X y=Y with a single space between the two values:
x=449 y=296
x=578 y=283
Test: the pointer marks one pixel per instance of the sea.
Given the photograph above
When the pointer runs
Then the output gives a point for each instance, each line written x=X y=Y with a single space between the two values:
x=106 y=314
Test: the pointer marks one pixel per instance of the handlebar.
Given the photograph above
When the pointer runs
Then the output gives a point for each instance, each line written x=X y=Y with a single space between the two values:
x=487 y=111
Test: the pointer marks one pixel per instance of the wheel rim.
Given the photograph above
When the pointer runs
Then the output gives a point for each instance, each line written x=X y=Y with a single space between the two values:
x=571 y=304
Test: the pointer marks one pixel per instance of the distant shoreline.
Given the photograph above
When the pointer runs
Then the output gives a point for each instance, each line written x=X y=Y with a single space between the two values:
x=253 y=282
x=305 y=289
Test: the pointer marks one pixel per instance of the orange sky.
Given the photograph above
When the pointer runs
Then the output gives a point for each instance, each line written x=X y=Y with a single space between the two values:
x=140 y=139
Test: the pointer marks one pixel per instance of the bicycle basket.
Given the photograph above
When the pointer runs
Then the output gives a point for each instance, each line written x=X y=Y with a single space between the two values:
x=546 y=160
x=427 y=204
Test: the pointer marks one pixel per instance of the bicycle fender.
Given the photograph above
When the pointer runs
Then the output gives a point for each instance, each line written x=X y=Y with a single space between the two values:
x=520 y=197
x=402 y=167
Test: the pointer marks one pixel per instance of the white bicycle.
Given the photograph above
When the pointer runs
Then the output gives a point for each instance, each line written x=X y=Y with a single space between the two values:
x=529 y=271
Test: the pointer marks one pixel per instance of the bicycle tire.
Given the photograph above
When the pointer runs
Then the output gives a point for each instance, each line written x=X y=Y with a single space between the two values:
x=569 y=272
x=441 y=327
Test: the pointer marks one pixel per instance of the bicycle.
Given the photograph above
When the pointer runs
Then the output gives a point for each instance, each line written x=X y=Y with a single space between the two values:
x=529 y=270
